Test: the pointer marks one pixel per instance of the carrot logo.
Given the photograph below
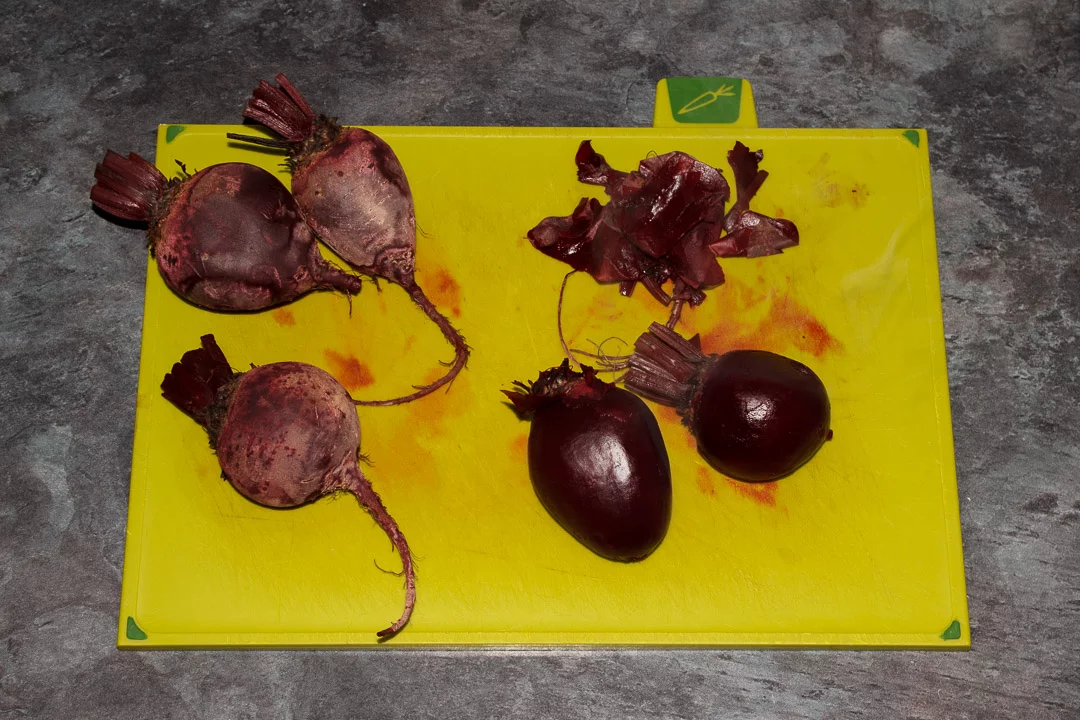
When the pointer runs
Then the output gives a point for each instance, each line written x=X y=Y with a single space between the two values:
x=705 y=99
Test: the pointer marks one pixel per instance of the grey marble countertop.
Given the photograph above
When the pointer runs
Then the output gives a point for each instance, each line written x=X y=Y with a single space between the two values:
x=996 y=84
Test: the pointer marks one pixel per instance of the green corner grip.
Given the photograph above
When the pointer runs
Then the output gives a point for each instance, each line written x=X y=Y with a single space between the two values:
x=705 y=99
x=173 y=130
x=912 y=137
x=951 y=633
x=134 y=632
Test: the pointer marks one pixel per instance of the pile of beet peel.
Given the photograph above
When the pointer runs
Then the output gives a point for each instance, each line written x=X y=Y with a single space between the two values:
x=666 y=221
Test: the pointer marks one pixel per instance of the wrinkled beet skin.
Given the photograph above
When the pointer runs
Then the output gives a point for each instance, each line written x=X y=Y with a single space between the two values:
x=352 y=190
x=357 y=184
x=664 y=222
x=285 y=434
x=290 y=435
x=233 y=239
x=600 y=468
x=667 y=197
x=758 y=416
x=658 y=223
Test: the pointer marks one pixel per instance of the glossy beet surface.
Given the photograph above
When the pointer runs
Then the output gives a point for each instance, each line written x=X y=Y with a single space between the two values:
x=758 y=416
x=598 y=463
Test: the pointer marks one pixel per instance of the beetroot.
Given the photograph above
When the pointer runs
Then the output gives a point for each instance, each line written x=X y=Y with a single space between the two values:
x=352 y=189
x=597 y=461
x=230 y=237
x=756 y=415
x=664 y=222
x=285 y=435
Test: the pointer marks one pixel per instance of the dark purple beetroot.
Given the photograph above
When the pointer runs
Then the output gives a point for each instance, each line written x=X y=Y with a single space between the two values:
x=756 y=415
x=230 y=237
x=354 y=193
x=597 y=461
x=285 y=434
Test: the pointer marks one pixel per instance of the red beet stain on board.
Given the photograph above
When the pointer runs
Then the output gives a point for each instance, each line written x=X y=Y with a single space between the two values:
x=670 y=416
x=519 y=449
x=761 y=493
x=786 y=324
x=605 y=309
x=429 y=419
x=349 y=371
x=834 y=195
x=705 y=482
x=859 y=193
x=284 y=317
x=806 y=332
x=830 y=194
x=423 y=441
x=445 y=290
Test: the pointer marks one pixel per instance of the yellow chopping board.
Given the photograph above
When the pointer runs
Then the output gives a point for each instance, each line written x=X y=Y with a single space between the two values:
x=859 y=548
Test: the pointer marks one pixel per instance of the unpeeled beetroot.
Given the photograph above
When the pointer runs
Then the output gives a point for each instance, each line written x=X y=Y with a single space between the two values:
x=353 y=191
x=230 y=237
x=285 y=435
x=597 y=461
x=756 y=415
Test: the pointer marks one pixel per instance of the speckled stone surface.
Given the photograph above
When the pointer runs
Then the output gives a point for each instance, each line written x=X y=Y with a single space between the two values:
x=997 y=85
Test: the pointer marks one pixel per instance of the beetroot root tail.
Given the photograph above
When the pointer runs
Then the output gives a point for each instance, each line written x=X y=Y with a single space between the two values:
x=461 y=352
x=359 y=486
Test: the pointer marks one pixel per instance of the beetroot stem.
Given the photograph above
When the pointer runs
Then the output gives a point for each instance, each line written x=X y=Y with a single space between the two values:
x=662 y=367
x=676 y=311
x=461 y=351
x=326 y=275
x=358 y=485
x=255 y=140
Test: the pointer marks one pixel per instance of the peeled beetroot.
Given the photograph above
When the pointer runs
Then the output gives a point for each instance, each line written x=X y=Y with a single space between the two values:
x=285 y=435
x=353 y=191
x=756 y=415
x=230 y=237
x=597 y=461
